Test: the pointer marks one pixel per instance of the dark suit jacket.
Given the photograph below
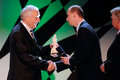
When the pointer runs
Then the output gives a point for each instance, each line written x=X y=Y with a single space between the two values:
x=87 y=55
x=24 y=56
x=112 y=64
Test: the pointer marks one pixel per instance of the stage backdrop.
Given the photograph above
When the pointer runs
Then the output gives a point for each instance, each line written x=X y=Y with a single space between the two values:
x=53 y=21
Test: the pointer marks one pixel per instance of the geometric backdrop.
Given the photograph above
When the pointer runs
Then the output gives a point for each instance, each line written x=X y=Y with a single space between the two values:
x=53 y=21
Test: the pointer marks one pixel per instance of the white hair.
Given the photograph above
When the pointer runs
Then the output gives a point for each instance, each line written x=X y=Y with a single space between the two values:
x=77 y=9
x=26 y=11
x=115 y=9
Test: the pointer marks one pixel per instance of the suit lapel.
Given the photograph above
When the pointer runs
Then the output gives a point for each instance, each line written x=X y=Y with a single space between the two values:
x=80 y=27
x=27 y=35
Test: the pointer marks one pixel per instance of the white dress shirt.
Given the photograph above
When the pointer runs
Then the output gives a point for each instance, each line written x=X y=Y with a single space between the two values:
x=27 y=27
x=118 y=32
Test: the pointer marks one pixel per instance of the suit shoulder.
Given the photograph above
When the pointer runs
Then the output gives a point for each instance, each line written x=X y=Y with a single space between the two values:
x=16 y=30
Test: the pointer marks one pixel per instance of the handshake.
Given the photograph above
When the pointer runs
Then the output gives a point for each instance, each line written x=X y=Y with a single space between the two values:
x=52 y=65
x=57 y=51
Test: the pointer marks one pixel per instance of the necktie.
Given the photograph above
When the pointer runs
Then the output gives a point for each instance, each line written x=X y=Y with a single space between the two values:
x=32 y=34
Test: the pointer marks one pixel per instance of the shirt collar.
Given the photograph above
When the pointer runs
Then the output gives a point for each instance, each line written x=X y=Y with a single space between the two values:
x=118 y=32
x=26 y=26
x=79 y=25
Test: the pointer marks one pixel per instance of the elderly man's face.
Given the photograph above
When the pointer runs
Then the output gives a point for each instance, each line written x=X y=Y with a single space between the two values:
x=70 y=18
x=34 y=19
x=115 y=21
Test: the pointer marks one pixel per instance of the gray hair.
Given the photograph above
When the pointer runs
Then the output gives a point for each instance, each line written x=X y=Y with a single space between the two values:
x=77 y=9
x=116 y=11
x=26 y=11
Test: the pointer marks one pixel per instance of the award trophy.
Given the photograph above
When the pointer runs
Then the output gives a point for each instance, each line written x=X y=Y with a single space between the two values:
x=57 y=50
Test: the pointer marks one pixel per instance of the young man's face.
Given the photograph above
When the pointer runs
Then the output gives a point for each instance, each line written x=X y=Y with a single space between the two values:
x=70 y=18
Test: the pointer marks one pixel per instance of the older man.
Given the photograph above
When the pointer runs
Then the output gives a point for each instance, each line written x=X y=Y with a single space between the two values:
x=111 y=67
x=24 y=50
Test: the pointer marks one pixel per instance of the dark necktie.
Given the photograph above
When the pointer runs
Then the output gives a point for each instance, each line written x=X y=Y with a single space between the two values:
x=32 y=35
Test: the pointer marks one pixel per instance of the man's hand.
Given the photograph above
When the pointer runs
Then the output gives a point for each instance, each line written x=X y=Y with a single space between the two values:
x=51 y=66
x=102 y=68
x=65 y=60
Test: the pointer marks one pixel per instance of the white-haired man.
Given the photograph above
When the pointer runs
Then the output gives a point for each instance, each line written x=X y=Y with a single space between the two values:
x=111 y=67
x=24 y=50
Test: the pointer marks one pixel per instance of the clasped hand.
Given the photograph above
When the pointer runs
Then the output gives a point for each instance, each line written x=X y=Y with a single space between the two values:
x=65 y=60
x=51 y=66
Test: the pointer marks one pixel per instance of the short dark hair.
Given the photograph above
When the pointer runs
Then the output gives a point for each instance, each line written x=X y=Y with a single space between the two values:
x=77 y=9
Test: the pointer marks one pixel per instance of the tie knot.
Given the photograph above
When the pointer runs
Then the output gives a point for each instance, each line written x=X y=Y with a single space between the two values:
x=32 y=34
x=31 y=31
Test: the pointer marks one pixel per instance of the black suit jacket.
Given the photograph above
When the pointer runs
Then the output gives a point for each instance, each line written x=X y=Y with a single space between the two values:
x=112 y=64
x=24 y=56
x=87 y=55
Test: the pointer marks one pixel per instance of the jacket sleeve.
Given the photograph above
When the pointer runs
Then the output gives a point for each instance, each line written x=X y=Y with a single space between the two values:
x=61 y=66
